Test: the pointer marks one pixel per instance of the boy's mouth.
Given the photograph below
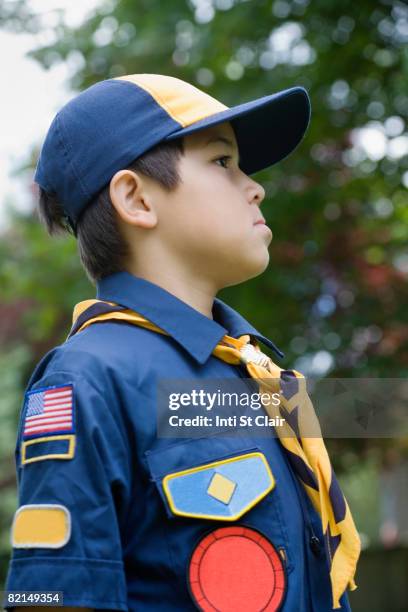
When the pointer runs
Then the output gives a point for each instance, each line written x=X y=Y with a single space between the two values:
x=260 y=221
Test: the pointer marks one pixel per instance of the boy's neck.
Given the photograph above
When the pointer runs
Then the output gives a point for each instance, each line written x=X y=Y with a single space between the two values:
x=195 y=292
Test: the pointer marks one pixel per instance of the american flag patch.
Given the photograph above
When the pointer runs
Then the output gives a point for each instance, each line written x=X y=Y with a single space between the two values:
x=49 y=411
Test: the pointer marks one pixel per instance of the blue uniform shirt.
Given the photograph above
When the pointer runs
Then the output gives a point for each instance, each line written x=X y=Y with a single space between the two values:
x=121 y=546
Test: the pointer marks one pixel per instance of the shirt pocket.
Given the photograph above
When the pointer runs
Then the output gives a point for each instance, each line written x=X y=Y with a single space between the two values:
x=211 y=482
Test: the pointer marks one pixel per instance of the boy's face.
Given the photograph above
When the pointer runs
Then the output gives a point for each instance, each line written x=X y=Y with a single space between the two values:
x=210 y=219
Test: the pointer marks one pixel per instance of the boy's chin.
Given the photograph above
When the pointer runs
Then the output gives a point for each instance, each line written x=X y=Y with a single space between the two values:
x=247 y=270
x=258 y=268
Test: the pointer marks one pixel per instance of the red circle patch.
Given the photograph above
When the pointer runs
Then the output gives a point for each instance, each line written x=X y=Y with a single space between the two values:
x=236 y=569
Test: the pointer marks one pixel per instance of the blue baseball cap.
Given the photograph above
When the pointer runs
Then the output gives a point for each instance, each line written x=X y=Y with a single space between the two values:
x=108 y=125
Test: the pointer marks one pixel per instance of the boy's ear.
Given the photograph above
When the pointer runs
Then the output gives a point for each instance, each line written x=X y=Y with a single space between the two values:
x=133 y=202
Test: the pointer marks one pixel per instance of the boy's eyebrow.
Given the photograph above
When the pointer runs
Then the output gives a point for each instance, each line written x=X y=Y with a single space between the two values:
x=222 y=139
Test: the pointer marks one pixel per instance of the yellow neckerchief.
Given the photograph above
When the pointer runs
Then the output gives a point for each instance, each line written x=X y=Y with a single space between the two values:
x=308 y=455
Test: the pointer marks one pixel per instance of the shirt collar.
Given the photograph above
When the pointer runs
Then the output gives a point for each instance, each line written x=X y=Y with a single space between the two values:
x=194 y=331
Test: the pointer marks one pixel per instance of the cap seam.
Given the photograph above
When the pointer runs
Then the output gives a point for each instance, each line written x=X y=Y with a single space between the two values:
x=157 y=99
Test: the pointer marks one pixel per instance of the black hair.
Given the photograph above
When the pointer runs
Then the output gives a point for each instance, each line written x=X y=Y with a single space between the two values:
x=101 y=246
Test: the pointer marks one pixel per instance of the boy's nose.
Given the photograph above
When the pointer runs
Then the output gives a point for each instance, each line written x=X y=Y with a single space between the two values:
x=256 y=193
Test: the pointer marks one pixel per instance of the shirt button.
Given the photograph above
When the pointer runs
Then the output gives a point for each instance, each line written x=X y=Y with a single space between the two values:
x=315 y=545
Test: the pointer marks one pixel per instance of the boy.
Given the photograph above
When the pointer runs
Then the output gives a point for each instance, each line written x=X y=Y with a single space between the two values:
x=151 y=175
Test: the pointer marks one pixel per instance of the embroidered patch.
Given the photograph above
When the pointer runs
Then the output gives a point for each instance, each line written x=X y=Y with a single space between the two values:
x=220 y=490
x=48 y=430
x=48 y=411
x=48 y=447
x=236 y=568
x=41 y=526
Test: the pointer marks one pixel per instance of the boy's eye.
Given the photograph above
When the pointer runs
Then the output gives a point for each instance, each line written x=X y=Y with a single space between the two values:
x=227 y=157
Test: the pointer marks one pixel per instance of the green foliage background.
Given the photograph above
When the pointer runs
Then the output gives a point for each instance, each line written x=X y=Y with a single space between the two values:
x=337 y=280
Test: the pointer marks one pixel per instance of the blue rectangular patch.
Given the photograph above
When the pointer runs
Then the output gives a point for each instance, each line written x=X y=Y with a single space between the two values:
x=48 y=447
